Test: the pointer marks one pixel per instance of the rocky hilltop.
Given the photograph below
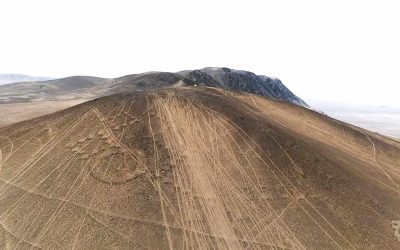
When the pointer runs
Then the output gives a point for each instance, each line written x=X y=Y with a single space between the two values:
x=243 y=81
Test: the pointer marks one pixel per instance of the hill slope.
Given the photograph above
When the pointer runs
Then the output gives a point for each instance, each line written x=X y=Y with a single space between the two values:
x=74 y=87
x=196 y=168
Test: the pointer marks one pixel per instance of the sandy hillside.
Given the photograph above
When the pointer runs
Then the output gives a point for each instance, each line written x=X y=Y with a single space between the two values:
x=199 y=168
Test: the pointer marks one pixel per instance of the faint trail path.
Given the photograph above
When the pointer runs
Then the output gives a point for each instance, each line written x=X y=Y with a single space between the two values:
x=284 y=177
x=341 y=147
x=16 y=237
x=372 y=143
x=213 y=208
x=11 y=150
x=90 y=208
x=43 y=151
x=157 y=182
x=90 y=204
x=374 y=154
x=1 y=160
x=210 y=198
x=296 y=167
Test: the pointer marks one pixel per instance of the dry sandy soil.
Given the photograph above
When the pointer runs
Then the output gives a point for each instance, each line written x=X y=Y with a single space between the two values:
x=196 y=168
x=15 y=112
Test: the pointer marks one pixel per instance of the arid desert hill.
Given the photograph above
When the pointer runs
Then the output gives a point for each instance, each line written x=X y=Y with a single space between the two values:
x=196 y=167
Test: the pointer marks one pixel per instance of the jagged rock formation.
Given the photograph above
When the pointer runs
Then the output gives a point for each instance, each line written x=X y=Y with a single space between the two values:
x=243 y=81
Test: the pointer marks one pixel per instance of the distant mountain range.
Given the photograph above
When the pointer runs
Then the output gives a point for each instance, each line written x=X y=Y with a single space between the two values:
x=11 y=78
x=93 y=87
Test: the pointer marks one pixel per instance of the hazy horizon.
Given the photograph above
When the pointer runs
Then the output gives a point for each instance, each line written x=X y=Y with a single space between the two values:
x=340 y=51
x=315 y=103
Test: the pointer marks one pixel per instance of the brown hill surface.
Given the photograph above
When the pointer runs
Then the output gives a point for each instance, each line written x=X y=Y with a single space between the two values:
x=196 y=167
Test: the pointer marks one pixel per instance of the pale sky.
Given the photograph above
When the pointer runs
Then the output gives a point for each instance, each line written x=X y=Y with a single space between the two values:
x=339 y=50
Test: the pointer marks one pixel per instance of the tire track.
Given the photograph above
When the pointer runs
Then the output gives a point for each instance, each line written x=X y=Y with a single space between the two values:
x=189 y=134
